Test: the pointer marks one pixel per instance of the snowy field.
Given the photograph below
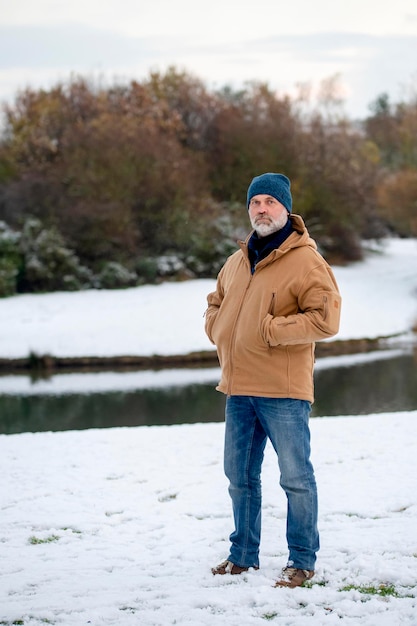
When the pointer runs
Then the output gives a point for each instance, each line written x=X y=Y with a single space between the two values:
x=121 y=526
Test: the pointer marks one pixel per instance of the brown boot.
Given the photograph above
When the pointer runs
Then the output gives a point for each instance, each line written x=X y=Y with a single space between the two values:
x=293 y=577
x=227 y=567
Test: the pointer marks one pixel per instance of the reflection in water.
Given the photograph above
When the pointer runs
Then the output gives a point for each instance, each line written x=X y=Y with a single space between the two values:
x=145 y=407
x=371 y=387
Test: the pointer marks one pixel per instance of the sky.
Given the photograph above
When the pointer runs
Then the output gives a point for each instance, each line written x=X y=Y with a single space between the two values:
x=370 y=45
x=120 y=526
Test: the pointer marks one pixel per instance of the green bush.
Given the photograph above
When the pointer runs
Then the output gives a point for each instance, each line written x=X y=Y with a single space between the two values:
x=212 y=243
x=8 y=277
x=48 y=265
x=114 y=275
x=147 y=270
x=10 y=260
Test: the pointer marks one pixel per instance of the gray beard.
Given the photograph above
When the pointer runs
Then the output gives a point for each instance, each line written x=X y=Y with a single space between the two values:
x=263 y=230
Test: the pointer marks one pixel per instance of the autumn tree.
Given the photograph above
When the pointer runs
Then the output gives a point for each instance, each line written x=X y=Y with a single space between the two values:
x=397 y=199
x=105 y=166
x=336 y=177
x=253 y=132
x=148 y=179
x=393 y=128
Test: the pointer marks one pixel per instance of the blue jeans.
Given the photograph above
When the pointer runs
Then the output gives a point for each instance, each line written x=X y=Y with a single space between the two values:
x=249 y=422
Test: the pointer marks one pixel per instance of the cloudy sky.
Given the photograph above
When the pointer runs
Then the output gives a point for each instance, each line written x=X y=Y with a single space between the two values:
x=370 y=44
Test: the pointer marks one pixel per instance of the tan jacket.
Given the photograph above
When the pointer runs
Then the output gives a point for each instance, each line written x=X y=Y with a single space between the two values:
x=265 y=325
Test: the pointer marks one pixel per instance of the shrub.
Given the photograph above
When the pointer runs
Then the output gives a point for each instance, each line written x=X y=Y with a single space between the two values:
x=48 y=265
x=114 y=275
x=10 y=260
x=146 y=270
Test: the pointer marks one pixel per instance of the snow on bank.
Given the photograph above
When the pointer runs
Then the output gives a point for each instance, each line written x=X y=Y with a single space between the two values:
x=379 y=299
x=121 y=526
x=96 y=382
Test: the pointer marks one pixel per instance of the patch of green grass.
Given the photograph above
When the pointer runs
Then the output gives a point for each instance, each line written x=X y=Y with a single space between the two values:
x=269 y=616
x=51 y=538
x=371 y=590
x=21 y=622
x=168 y=498
x=37 y=540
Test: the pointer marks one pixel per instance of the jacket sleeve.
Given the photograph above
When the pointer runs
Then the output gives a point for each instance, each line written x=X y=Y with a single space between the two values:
x=214 y=301
x=318 y=315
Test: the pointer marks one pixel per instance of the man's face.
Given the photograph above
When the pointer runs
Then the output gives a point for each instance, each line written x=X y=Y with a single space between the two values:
x=266 y=214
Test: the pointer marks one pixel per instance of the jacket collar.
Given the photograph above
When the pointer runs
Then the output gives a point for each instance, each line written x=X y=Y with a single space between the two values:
x=298 y=238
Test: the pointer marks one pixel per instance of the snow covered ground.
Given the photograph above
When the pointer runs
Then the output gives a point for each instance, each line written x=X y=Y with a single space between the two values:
x=121 y=526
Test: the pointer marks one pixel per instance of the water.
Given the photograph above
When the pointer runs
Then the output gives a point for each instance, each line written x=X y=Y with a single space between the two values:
x=344 y=386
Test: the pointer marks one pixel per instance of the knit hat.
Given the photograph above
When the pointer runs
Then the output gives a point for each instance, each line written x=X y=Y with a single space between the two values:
x=275 y=185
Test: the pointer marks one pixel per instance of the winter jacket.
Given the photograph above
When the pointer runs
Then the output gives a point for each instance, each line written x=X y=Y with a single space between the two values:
x=265 y=324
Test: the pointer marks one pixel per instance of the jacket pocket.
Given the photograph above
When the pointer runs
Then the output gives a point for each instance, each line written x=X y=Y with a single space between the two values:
x=331 y=311
x=271 y=309
x=210 y=318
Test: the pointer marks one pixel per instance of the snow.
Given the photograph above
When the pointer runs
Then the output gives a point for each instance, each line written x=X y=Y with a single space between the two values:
x=133 y=518
x=138 y=321
x=120 y=526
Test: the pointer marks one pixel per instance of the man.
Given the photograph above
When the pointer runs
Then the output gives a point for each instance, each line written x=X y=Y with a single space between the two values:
x=274 y=298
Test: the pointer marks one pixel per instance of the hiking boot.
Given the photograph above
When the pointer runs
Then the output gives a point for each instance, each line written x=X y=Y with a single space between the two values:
x=227 y=567
x=294 y=577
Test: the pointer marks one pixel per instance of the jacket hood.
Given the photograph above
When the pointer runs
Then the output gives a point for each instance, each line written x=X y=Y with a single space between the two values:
x=299 y=238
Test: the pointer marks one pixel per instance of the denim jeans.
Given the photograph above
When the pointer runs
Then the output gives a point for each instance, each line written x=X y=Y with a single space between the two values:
x=249 y=422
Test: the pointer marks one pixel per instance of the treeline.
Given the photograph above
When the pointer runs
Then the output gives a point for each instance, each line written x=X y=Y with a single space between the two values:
x=112 y=187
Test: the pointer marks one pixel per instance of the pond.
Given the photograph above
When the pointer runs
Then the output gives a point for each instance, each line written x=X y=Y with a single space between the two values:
x=351 y=385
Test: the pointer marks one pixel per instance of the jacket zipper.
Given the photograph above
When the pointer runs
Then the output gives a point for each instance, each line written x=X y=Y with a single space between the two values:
x=232 y=337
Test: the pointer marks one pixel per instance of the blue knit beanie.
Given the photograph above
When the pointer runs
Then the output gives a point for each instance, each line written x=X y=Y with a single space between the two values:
x=275 y=185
